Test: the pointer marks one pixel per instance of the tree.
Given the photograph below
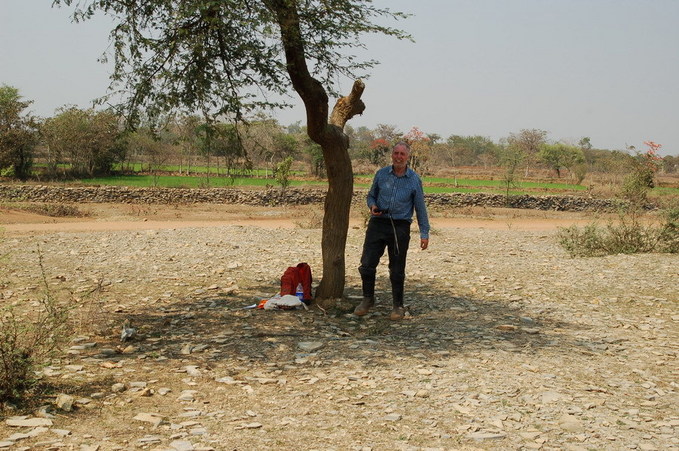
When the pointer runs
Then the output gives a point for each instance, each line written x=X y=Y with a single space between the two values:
x=227 y=143
x=388 y=132
x=18 y=133
x=434 y=138
x=360 y=140
x=86 y=139
x=467 y=150
x=378 y=149
x=420 y=147
x=282 y=173
x=385 y=136
x=282 y=146
x=188 y=140
x=213 y=56
x=560 y=155
x=585 y=143
x=511 y=157
x=528 y=142
x=643 y=167
x=670 y=164
x=146 y=144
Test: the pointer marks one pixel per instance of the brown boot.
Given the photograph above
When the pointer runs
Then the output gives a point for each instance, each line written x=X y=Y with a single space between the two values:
x=397 y=314
x=364 y=307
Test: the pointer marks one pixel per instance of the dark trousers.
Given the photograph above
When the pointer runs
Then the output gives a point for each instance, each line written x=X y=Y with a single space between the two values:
x=380 y=235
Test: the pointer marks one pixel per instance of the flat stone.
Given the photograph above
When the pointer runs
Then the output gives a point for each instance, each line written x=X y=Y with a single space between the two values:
x=187 y=395
x=153 y=418
x=250 y=426
x=18 y=436
x=28 y=422
x=310 y=346
x=149 y=439
x=181 y=445
x=191 y=414
x=462 y=409
x=550 y=397
x=530 y=435
x=193 y=371
x=486 y=436
x=570 y=424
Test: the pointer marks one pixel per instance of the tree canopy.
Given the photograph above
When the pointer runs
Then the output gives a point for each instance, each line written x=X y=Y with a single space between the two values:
x=227 y=57
x=18 y=133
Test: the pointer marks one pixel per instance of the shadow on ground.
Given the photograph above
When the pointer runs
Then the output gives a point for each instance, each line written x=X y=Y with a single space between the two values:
x=215 y=326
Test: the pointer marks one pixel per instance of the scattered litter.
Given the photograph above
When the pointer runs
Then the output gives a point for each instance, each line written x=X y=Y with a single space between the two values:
x=278 y=302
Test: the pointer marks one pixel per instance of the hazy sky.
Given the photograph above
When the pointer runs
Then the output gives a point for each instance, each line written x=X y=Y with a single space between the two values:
x=606 y=69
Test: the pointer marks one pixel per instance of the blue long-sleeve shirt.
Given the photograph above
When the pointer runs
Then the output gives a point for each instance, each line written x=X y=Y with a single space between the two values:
x=400 y=195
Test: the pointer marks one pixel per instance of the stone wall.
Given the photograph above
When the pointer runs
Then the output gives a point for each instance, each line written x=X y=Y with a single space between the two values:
x=110 y=194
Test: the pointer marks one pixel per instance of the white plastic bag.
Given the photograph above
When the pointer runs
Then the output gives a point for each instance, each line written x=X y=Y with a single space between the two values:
x=286 y=302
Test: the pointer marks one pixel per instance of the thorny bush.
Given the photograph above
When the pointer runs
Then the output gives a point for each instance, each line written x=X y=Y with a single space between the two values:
x=28 y=337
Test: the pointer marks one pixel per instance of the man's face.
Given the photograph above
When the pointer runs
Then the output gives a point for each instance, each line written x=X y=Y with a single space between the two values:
x=399 y=156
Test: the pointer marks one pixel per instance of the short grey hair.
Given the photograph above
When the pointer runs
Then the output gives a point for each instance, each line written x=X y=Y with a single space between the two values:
x=402 y=143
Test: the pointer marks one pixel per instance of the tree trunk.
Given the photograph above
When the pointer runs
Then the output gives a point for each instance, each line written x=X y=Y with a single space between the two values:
x=335 y=220
x=335 y=144
x=340 y=192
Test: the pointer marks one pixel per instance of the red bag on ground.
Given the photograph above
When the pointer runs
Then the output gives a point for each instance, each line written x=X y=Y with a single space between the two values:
x=295 y=275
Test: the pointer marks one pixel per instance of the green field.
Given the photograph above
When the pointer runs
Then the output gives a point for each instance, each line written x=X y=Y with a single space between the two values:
x=176 y=181
x=431 y=184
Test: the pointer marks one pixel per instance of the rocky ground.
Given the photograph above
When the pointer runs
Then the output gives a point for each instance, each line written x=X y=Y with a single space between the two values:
x=510 y=343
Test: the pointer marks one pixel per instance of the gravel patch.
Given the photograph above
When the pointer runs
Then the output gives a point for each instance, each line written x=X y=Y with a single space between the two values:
x=510 y=344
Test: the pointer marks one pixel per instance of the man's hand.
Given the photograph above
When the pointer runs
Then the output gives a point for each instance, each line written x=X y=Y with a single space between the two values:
x=375 y=211
x=424 y=243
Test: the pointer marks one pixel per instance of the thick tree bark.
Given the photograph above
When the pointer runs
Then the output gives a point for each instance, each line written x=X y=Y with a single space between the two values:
x=338 y=199
x=333 y=141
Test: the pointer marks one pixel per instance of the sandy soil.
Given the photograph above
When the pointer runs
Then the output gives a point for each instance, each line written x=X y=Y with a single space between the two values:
x=112 y=217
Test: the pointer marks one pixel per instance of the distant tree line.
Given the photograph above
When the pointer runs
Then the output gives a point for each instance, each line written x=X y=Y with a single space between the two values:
x=77 y=142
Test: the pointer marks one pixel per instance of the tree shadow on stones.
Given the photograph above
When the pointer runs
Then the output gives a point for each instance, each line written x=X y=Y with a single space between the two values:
x=213 y=327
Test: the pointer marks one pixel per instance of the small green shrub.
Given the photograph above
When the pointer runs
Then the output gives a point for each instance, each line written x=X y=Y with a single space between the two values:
x=584 y=241
x=626 y=236
x=669 y=233
x=282 y=173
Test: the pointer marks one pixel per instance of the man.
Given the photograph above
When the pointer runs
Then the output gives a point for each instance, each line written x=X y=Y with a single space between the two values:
x=395 y=192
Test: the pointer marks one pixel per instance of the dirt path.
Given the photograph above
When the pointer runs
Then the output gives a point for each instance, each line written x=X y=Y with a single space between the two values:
x=110 y=217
